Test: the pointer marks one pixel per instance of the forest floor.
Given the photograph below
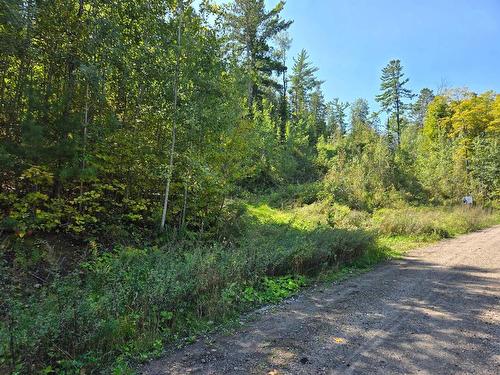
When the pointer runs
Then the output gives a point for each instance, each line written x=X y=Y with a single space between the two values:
x=435 y=310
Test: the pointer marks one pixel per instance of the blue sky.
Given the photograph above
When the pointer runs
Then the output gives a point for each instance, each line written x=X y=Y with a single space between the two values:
x=450 y=42
x=350 y=41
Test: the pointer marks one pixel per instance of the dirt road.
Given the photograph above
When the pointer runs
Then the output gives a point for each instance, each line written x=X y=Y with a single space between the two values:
x=437 y=311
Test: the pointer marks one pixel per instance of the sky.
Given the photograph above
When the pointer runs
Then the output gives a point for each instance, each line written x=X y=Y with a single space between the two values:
x=455 y=43
x=441 y=43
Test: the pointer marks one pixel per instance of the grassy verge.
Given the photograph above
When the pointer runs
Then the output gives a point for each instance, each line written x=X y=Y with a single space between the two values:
x=128 y=304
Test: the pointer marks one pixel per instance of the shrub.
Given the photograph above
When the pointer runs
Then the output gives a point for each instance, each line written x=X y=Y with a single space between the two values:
x=434 y=222
x=128 y=302
x=340 y=216
x=294 y=195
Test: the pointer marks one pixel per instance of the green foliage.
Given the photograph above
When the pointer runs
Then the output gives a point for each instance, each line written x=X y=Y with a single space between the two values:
x=251 y=27
x=126 y=303
x=269 y=185
x=438 y=223
x=485 y=168
x=336 y=117
x=292 y=195
x=94 y=212
x=452 y=161
x=88 y=118
x=393 y=93
x=269 y=290
x=302 y=80
x=340 y=216
x=360 y=173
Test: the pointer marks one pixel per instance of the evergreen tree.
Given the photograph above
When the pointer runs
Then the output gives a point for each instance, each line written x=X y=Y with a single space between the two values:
x=359 y=115
x=337 y=123
x=393 y=93
x=318 y=115
x=251 y=28
x=374 y=121
x=303 y=80
x=419 y=108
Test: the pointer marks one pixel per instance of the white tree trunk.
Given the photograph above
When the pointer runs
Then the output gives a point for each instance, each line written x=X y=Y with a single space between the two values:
x=174 y=121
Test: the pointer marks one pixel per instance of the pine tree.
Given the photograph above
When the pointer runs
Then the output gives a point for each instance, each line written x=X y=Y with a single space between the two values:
x=283 y=42
x=337 y=117
x=359 y=115
x=419 y=108
x=251 y=28
x=318 y=115
x=393 y=92
x=303 y=80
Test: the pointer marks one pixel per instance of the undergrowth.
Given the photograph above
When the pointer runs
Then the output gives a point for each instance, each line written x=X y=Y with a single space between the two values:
x=440 y=222
x=125 y=305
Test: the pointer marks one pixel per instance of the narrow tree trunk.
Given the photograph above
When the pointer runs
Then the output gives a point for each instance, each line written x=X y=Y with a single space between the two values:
x=398 y=129
x=284 y=109
x=174 y=122
x=184 y=206
x=24 y=67
x=84 y=148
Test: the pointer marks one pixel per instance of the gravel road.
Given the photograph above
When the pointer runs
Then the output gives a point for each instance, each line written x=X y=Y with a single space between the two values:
x=437 y=311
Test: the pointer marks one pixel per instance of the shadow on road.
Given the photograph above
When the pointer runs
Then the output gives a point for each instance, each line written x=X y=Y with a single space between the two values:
x=404 y=317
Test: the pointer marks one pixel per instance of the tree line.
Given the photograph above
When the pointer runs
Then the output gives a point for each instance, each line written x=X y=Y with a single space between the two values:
x=125 y=117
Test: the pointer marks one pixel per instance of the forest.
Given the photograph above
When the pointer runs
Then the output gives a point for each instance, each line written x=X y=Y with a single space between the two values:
x=164 y=168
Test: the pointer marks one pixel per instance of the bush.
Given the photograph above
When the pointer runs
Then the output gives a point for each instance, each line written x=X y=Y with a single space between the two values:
x=294 y=195
x=127 y=303
x=434 y=222
x=340 y=216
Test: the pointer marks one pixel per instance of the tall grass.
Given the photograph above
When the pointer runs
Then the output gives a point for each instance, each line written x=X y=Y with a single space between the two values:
x=437 y=222
x=128 y=303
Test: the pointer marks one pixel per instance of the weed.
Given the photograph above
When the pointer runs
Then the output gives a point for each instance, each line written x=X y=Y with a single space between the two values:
x=127 y=304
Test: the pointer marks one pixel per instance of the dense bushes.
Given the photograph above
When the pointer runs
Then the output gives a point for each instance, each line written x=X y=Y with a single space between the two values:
x=360 y=172
x=101 y=209
x=128 y=302
x=293 y=195
x=438 y=222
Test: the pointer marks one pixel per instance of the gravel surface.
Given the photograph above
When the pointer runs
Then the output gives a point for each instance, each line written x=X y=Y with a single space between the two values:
x=437 y=311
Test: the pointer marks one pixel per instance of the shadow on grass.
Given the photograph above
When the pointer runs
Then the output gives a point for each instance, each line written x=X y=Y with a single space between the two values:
x=408 y=316
x=127 y=303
